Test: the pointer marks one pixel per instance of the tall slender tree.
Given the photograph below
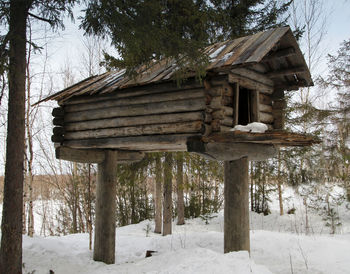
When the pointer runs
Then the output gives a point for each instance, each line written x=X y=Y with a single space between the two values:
x=167 y=201
x=15 y=14
x=180 y=188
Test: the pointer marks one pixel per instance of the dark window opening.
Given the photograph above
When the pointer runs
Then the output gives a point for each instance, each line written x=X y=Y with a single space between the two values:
x=244 y=106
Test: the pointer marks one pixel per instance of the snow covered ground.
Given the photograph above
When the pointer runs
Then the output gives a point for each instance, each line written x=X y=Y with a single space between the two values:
x=193 y=248
x=278 y=245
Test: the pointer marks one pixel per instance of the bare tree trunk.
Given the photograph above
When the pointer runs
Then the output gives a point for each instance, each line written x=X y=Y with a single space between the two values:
x=89 y=207
x=75 y=198
x=11 y=226
x=236 y=210
x=30 y=208
x=158 y=196
x=167 y=207
x=24 y=214
x=251 y=188
x=134 y=218
x=180 y=189
x=279 y=184
x=30 y=154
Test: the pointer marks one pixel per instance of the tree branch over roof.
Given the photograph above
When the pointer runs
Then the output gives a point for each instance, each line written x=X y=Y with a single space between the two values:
x=41 y=18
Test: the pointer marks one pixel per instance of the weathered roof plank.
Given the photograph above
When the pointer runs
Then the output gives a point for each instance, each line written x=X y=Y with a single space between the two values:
x=246 y=51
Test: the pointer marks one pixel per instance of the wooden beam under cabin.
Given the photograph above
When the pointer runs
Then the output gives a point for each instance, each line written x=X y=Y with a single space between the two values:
x=95 y=155
x=171 y=142
x=275 y=137
x=231 y=151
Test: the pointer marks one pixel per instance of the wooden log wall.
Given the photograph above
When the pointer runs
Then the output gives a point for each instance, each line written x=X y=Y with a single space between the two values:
x=125 y=119
x=265 y=110
x=221 y=107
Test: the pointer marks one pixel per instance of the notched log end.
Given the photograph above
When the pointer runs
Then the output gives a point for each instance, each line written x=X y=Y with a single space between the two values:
x=194 y=144
x=58 y=112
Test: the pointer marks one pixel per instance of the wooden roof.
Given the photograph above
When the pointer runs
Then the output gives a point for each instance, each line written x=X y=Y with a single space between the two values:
x=273 y=53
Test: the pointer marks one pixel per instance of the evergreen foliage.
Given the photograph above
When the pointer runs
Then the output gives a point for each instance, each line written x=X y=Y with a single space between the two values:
x=338 y=141
x=148 y=31
x=233 y=19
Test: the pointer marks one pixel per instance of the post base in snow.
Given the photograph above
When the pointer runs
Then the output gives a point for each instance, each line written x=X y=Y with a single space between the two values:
x=104 y=242
x=236 y=210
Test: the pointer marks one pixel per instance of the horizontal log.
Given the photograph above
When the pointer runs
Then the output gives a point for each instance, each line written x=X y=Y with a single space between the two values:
x=223 y=90
x=227 y=121
x=265 y=108
x=266 y=117
x=282 y=53
x=276 y=137
x=225 y=128
x=232 y=151
x=219 y=101
x=95 y=155
x=80 y=155
x=250 y=84
x=187 y=127
x=284 y=72
x=173 y=142
x=138 y=110
x=134 y=91
x=58 y=121
x=58 y=112
x=57 y=138
x=265 y=99
x=144 y=99
x=223 y=112
x=58 y=131
x=137 y=121
x=218 y=80
x=253 y=75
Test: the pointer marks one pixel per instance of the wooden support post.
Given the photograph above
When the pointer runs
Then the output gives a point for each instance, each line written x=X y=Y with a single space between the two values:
x=104 y=243
x=167 y=201
x=236 y=210
x=158 y=196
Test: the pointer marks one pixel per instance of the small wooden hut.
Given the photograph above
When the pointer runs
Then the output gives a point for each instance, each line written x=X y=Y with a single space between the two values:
x=245 y=82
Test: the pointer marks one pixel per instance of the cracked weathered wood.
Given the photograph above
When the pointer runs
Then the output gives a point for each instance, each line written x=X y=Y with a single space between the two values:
x=236 y=205
x=105 y=222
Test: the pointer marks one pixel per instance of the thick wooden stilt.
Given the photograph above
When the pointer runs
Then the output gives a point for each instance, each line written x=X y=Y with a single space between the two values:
x=104 y=242
x=167 y=201
x=236 y=211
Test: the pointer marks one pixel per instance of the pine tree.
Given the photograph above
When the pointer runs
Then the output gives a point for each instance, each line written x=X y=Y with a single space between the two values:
x=237 y=18
x=145 y=31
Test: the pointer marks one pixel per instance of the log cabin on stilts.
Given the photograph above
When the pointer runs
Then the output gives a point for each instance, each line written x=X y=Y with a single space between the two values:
x=112 y=118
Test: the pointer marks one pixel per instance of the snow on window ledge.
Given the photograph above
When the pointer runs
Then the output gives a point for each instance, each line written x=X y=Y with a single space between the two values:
x=255 y=127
